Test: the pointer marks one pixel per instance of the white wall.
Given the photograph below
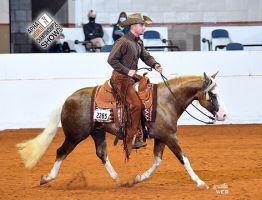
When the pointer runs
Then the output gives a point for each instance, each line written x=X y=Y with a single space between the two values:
x=32 y=84
x=4 y=12
x=165 y=11
x=161 y=11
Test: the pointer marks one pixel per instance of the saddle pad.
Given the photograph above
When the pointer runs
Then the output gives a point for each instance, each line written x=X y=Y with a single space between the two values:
x=105 y=103
x=103 y=112
x=104 y=97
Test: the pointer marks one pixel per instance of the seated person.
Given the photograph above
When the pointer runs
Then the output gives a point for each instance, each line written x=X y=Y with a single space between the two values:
x=93 y=32
x=119 y=31
x=59 y=45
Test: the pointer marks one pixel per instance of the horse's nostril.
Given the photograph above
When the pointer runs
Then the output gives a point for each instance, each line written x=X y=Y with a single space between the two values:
x=225 y=115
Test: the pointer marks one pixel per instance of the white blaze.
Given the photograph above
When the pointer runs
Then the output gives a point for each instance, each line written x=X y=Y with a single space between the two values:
x=221 y=114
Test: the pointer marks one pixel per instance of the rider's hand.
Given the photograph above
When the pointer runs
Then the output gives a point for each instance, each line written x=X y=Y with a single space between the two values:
x=131 y=72
x=158 y=68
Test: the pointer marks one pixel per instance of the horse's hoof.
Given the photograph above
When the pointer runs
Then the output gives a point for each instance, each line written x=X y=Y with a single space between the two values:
x=137 y=179
x=203 y=186
x=43 y=180
x=130 y=184
x=118 y=182
x=127 y=184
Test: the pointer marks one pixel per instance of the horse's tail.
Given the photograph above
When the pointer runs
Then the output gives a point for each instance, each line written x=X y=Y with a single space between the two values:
x=32 y=150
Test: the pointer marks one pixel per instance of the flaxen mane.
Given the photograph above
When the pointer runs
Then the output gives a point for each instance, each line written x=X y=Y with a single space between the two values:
x=178 y=81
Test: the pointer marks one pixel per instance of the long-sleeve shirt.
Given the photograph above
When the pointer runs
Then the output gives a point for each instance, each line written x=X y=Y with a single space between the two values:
x=93 y=30
x=126 y=52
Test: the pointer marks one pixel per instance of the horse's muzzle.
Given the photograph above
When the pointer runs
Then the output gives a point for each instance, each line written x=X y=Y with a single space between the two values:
x=221 y=118
x=221 y=115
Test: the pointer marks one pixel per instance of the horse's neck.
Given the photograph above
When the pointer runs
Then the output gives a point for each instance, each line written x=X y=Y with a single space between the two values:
x=185 y=91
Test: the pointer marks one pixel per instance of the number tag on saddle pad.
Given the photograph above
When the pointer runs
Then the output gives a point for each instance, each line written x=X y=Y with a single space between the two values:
x=102 y=115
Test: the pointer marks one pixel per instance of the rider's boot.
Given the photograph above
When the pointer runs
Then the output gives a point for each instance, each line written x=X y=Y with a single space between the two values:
x=139 y=143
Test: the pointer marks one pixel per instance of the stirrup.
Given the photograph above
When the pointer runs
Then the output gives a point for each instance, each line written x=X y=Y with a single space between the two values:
x=138 y=144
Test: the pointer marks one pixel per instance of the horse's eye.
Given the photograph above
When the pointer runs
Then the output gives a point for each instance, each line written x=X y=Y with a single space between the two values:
x=211 y=95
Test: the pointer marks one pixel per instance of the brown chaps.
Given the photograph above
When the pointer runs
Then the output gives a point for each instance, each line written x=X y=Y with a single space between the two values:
x=125 y=85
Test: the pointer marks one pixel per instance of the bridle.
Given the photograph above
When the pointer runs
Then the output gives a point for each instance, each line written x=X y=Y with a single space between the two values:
x=209 y=88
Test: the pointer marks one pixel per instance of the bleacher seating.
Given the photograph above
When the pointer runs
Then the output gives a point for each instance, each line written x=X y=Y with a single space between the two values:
x=152 y=38
x=107 y=48
x=219 y=39
x=151 y=35
x=234 y=47
x=74 y=34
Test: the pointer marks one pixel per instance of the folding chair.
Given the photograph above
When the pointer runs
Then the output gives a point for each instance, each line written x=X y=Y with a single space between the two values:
x=234 y=47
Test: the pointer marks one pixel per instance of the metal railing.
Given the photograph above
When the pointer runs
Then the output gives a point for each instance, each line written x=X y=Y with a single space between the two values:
x=171 y=46
x=244 y=45
x=209 y=43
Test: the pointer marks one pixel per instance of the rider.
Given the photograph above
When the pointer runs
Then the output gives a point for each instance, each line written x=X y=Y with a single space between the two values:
x=124 y=59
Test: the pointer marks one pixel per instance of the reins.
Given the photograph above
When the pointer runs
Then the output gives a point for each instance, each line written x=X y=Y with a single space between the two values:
x=165 y=80
x=210 y=117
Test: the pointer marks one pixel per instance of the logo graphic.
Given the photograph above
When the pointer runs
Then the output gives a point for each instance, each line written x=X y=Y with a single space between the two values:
x=221 y=189
x=44 y=30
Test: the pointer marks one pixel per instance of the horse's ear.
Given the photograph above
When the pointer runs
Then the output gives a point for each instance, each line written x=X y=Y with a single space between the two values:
x=205 y=76
x=214 y=75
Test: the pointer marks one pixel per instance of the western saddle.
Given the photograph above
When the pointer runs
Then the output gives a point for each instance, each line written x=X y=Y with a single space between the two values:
x=105 y=106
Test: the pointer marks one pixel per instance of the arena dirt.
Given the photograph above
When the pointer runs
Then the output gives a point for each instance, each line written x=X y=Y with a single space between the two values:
x=227 y=157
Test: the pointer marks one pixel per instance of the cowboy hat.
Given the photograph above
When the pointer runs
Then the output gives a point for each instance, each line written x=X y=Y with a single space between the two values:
x=136 y=18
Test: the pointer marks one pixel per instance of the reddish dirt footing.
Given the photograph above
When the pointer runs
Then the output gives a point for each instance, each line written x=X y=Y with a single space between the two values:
x=222 y=155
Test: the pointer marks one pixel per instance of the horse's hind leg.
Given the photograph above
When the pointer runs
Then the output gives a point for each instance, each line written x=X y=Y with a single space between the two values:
x=101 y=152
x=158 y=153
x=66 y=148
x=174 y=146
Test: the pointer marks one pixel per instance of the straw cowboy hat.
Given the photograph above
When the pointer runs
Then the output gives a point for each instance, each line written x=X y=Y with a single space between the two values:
x=136 y=18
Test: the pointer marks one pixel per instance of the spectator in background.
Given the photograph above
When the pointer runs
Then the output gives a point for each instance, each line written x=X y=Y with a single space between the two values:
x=93 y=32
x=59 y=45
x=119 y=31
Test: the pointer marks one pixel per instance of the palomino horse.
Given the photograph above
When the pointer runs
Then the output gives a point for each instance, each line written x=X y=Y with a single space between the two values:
x=77 y=125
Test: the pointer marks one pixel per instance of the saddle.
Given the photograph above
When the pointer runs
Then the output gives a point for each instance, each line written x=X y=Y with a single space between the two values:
x=107 y=109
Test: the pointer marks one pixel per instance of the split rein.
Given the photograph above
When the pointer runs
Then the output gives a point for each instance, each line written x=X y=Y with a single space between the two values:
x=165 y=80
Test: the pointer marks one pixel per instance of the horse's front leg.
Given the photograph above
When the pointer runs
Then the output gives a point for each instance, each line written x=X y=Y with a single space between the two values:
x=173 y=145
x=158 y=152
x=101 y=152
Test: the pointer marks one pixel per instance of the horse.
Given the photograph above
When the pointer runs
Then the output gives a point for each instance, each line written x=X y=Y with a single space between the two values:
x=77 y=124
